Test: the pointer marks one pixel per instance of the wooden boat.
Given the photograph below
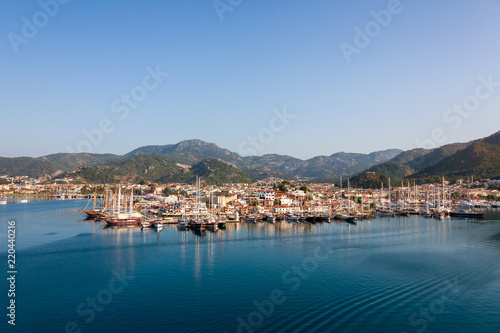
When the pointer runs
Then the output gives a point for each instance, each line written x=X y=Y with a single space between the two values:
x=386 y=214
x=402 y=213
x=182 y=223
x=94 y=213
x=196 y=224
x=271 y=219
x=158 y=225
x=221 y=225
x=249 y=218
x=123 y=219
x=439 y=215
x=119 y=217
x=310 y=218
x=346 y=218
x=182 y=226
x=147 y=224
x=467 y=214
x=212 y=226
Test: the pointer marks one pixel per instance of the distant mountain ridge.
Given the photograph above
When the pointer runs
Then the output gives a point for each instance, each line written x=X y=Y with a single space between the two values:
x=481 y=159
x=478 y=158
x=412 y=161
x=191 y=152
x=177 y=162
x=159 y=170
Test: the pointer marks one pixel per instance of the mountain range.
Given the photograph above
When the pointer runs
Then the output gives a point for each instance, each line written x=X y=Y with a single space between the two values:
x=186 y=154
x=184 y=160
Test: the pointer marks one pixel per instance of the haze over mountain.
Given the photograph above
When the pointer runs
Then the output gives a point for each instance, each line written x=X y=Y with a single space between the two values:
x=181 y=161
x=190 y=152
x=412 y=161
x=479 y=158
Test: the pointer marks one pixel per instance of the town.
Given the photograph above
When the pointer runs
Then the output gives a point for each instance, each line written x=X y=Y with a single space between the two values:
x=202 y=205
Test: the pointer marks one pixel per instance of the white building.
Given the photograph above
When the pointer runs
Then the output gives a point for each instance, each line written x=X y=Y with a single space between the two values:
x=267 y=195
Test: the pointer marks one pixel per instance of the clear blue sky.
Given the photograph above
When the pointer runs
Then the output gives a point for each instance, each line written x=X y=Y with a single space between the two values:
x=227 y=76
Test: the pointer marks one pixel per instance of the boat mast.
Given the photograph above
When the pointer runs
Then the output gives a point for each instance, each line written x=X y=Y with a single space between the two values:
x=348 y=195
x=381 y=193
x=106 y=199
x=468 y=191
x=119 y=199
x=416 y=194
x=124 y=200
x=341 y=187
x=444 y=195
x=390 y=201
x=132 y=200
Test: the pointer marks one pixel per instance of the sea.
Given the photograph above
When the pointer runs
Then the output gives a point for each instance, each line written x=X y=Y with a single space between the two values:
x=394 y=274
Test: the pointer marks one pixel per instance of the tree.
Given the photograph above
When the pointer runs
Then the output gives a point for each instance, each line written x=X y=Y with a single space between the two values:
x=152 y=188
x=305 y=189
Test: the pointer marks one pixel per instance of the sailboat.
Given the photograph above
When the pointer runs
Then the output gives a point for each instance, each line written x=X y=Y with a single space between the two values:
x=183 y=223
x=469 y=212
x=124 y=218
x=95 y=213
x=197 y=224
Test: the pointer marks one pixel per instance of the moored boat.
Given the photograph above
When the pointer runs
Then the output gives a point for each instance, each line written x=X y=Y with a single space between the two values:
x=158 y=225
x=147 y=224
x=466 y=213
x=386 y=214
x=249 y=218
x=196 y=224
x=182 y=223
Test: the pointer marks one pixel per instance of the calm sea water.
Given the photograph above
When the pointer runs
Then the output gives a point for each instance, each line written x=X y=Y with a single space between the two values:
x=385 y=275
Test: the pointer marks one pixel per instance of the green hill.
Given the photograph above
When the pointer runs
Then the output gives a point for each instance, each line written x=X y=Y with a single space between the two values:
x=480 y=159
x=159 y=170
x=26 y=166
x=216 y=172
x=412 y=161
x=191 y=152
x=148 y=168
x=369 y=179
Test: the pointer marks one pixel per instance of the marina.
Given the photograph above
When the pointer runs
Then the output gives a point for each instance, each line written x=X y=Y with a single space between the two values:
x=366 y=275
x=320 y=204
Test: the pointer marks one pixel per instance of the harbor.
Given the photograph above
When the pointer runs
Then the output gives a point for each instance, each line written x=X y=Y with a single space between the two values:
x=211 y=207
x=335 y=276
